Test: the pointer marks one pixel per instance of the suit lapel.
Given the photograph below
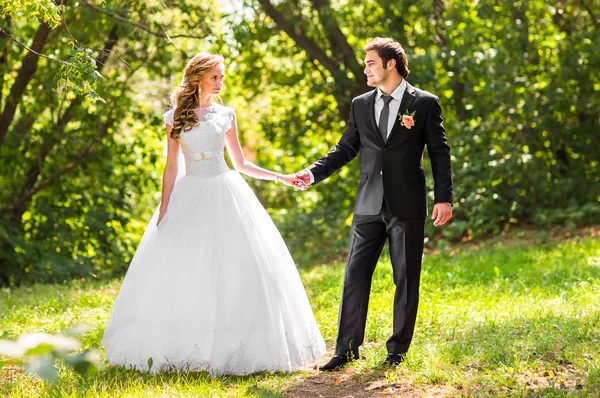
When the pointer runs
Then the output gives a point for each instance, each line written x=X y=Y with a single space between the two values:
x=371 y=106
x=407 y=100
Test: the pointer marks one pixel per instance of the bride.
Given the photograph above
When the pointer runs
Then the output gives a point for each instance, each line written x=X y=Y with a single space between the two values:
x=212 y=285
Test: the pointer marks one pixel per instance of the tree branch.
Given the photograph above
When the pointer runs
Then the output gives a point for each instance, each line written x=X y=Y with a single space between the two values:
x=31 y=50
x=591 y=12
x=69 y=166
x=561 y=21
x=345 y=88
x=458 y=86
x=398 y=21
x=304 y=42
x=4 y=49
x=145 y=28
x=24 y=124
x=29 y=187
x=338 y=40
x=26 y=72
x=80 y=157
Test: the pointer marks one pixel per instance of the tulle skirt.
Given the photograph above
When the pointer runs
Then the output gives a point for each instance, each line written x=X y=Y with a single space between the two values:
x=213 y=287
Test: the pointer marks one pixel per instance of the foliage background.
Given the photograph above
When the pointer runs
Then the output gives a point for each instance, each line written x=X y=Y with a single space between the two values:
x=81 y=144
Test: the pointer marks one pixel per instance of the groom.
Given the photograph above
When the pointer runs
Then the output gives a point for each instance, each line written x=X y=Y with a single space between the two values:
x=390 y=127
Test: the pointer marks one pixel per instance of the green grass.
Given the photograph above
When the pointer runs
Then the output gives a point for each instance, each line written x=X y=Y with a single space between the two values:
x=521 y=320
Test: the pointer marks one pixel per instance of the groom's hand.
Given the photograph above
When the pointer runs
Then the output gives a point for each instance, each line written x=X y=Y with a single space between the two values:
x=442 y=213
x=292 y=180
x=304 y=176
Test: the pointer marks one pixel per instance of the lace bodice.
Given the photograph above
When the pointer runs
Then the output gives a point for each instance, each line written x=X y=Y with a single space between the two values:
x=202 y=146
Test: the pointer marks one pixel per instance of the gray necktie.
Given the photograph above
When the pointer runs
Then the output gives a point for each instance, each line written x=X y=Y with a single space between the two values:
x=384 y=116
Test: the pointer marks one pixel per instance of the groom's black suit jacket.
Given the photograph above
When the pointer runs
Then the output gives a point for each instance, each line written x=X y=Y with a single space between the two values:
x=393 y=168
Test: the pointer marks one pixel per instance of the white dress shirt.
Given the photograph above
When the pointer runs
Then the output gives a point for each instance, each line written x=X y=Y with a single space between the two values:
x=394 y=109
x=394 y=105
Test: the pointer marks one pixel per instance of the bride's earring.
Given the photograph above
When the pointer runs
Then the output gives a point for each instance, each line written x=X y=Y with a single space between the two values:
x=197 y=94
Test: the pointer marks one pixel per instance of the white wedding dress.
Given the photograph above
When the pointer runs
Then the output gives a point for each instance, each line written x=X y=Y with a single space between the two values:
x=213 y=286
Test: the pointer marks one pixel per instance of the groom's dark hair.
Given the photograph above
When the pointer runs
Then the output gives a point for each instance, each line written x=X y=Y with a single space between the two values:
x=388 y=49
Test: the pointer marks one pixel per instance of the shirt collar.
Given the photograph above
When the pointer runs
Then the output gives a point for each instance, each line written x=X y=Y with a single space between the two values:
x=396 y=94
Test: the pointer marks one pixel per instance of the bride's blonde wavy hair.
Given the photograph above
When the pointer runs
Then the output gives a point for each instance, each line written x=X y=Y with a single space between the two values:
x=187 y=97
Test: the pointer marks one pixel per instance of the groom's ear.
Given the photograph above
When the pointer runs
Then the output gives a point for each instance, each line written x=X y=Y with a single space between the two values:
x=391 y=64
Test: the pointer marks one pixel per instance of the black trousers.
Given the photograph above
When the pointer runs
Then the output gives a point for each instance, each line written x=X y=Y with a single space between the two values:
x=369 y=234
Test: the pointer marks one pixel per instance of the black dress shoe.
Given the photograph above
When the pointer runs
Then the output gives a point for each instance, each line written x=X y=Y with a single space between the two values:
x=337 y=361
x=394 y=359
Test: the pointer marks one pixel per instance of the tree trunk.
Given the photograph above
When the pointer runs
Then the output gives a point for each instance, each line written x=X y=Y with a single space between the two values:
x=28 y=68
x=458 y=86
x=29 y=188
x=4 y=46
x=345 y=88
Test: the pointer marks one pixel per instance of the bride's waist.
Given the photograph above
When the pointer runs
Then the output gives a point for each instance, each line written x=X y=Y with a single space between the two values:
x=203 y=156
x=206 y=168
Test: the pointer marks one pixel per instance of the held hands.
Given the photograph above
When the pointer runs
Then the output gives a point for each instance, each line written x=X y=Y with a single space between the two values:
x=304 y=176
x=292 y=180
x=442 y=213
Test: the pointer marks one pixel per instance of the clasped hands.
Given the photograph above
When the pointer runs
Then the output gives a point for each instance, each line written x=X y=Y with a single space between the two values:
x=292 y=180
x=300 y=180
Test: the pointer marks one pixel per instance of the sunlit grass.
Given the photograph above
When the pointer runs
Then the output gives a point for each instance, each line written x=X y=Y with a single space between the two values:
x=519 y=320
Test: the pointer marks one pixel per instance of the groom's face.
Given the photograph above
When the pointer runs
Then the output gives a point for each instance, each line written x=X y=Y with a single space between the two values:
x=376 y=75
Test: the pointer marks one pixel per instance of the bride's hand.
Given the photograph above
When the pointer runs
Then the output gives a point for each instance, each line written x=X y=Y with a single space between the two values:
x=292 y=181
x=161 y=214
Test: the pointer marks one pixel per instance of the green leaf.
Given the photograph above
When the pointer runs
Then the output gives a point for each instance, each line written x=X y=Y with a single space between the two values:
x=86 y=363
x=93 y=96
x=40 y=349
x=43 y=366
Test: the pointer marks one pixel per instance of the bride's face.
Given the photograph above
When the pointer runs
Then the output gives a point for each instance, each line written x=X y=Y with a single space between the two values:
x=212 y=82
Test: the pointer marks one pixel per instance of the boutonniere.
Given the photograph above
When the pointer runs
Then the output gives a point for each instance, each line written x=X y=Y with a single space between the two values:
x=406 y=119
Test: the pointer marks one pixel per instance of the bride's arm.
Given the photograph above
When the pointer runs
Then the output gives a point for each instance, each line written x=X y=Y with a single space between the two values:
x=170 y=173
x=242 y=165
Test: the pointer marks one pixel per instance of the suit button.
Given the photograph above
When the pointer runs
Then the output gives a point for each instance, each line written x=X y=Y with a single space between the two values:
x=384 y=149
x=381 y=173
